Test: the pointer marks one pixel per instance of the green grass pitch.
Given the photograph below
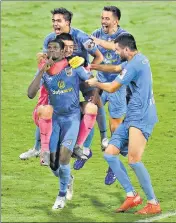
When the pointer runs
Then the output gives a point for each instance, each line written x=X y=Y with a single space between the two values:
x=28 y=190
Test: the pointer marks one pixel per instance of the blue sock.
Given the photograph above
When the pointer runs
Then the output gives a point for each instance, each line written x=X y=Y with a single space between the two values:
x=64 y=175
x=89 y=139
x=144 y=179
x=121 y=175
x=101 y=120
x=56 y=172
x=37 y=139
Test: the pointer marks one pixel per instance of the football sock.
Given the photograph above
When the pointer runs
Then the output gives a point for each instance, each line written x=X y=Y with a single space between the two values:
x=89 y=139
x=121 y=175
x=86 y=126
x=45 y=126
x=144 y=179
x=37 y=139
x=64 y=175
x=86 y=151
x=101 y=120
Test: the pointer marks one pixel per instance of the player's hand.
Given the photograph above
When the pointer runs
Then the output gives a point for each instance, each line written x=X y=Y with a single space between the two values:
x=47 y=65
x=92 y=82
x=76 y=61
x=96 y=40
x=41 y=56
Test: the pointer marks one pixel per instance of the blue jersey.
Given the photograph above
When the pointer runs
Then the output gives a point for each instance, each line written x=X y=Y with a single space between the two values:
x=138 y=76
x=63 y=89
x=83 y=43
x=110 y=57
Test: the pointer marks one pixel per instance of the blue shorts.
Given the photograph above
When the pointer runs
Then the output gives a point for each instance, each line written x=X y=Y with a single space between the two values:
x=65 y=131
x=117 y=103
x=121 y=135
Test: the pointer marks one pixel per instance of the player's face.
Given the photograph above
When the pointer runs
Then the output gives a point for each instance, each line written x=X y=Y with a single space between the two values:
x=55 y=51
x=122 y=52
x=69 y=47
x=108 y=22
x=59 y=24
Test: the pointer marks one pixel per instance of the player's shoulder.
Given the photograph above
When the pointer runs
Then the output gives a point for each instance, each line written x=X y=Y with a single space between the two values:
x=78 y=33
x=50 y=36
x=97 y=32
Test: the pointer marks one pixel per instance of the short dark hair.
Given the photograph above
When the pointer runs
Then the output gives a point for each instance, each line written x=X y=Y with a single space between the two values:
x=67 y=14
x=126 y=40
x=64 y=36
x=115 y=11
x=59 y=41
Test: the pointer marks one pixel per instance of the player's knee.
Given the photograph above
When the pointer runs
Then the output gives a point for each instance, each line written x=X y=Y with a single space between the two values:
x=112 y=150
x=90 y=108
x=45 y=111
x=134 y=158
x=65 y=155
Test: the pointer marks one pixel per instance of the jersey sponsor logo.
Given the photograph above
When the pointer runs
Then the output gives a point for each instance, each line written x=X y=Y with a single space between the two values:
x=62 y=91
x=89 y=44
x=68 y=71
x=61 y=84
x=121 y=76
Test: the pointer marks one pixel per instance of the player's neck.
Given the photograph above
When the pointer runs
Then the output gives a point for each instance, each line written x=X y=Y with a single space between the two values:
x=113 y=30
x=67 y=29
x=133 y=53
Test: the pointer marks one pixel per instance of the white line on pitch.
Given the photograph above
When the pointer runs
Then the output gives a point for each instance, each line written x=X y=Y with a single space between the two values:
x=159 y=217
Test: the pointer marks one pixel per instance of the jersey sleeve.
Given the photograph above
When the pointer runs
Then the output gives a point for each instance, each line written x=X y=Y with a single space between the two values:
x=88 y=43
x=127 y=75
x=83 y=73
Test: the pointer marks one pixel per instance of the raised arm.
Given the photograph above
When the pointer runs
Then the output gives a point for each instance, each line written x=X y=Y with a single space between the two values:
x=35 y=84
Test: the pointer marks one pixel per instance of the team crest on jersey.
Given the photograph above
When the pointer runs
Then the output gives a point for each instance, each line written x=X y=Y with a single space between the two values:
x=145 y=61
x=108 y=56
x=68 y=71
x=61 y=84
x=89 y=44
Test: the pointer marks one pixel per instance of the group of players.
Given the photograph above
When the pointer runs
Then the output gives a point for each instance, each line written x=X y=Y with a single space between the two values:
x=124 y=80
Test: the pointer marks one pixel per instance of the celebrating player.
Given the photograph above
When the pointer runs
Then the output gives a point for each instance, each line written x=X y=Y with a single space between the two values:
x=63 y=90
x=61 y=19
x=131 y=136
x=110 y=29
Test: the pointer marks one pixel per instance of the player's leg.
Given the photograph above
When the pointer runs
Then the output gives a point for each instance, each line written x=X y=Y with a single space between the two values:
x=118 y=144
x=117 y=110
x=68 y=136
x=101 y=121
x=137 y=143
x=45 y=113
x=89 y=117
x=79 y=163
x=35 y=151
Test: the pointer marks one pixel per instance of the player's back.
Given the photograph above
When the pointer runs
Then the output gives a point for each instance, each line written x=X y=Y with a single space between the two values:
x=141 y=105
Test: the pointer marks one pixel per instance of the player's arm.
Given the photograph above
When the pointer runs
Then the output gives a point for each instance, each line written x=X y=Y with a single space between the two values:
x=92 y=49
x=108 y=68
x=109 y=45
x=126 y=76
x=109 y=87
x=35 y=84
